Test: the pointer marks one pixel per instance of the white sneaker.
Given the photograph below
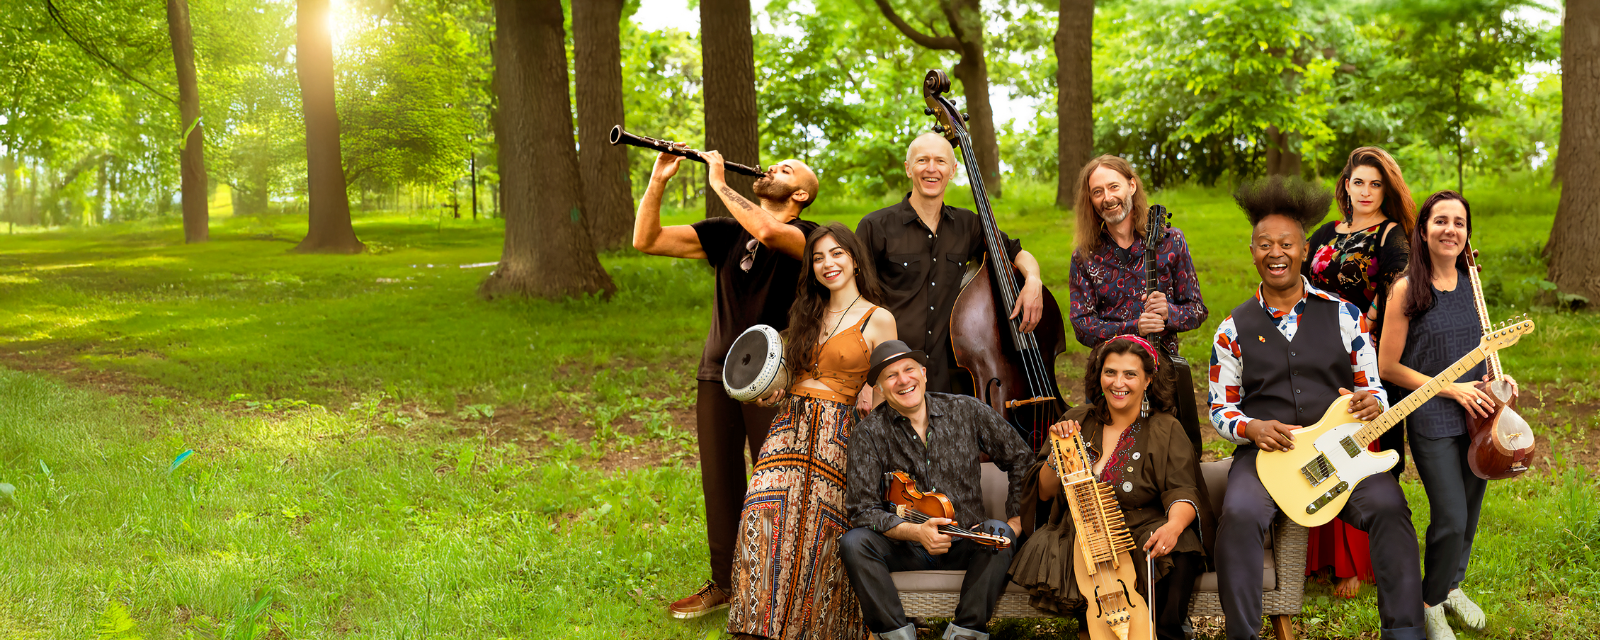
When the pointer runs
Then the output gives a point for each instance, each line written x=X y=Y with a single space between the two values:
x=1438 y=627
x=1468 y=612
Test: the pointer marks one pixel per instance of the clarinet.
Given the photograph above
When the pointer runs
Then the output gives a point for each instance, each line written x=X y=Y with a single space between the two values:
x=618 y=136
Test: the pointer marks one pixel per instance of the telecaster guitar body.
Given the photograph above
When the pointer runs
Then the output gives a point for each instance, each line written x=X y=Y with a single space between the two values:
x=1312 y=482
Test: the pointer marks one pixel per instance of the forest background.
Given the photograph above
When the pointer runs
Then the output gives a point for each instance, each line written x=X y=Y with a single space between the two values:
x=206 y=434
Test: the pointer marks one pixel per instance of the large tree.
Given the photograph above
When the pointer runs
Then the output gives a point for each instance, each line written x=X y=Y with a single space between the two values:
x=1574 y=248
x=547 y=250
x=1074 y=94
x=329 y=230
x=727 y=53
x=963 y=19
x=607 y=192
x=196 y=217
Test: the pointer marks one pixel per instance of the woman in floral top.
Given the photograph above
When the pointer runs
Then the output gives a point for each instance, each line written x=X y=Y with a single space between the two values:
x=1359 y=257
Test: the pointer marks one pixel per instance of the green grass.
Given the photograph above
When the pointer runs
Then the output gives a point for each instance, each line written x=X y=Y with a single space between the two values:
x=380 y=453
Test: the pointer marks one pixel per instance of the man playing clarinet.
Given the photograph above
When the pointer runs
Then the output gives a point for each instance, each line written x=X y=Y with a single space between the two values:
x=921 y=247
x=755 y=258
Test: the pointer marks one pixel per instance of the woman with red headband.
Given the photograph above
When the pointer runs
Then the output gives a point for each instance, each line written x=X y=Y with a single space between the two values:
x=1139 y=449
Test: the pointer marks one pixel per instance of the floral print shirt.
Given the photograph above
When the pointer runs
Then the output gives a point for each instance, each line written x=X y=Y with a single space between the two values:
x=1359 y=266
x=1227 y=361
x=1107 y=284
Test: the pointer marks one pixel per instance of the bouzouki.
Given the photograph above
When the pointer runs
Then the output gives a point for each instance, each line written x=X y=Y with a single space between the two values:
x=1102 y=562
x=1502 y=443
x=1155 y=230
x=1312 y=482
x=917 y=507
x=1012 y=371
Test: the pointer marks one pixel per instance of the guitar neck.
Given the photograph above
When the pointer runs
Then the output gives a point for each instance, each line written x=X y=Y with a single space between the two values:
x=1424 y=393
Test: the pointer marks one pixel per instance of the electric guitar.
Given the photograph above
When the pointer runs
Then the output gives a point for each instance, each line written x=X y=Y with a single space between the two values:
x=1312 y=482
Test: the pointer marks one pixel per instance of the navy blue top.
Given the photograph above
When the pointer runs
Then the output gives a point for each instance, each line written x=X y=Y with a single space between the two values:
x=1434 y=342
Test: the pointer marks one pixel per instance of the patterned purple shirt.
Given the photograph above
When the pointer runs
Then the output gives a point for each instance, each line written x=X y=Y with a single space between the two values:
x=1106 y=289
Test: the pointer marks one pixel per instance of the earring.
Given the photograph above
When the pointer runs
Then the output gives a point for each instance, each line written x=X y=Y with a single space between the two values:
x=1144 y=407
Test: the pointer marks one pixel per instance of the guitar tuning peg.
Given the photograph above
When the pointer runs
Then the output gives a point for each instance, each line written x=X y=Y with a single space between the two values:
x=927 y=111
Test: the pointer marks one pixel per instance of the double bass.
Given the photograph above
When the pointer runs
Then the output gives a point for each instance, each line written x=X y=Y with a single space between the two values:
x=1502 y=443
x=1012 y=371
x=1102 y=559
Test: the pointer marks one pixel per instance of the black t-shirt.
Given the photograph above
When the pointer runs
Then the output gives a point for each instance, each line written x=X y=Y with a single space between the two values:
x=761 y=295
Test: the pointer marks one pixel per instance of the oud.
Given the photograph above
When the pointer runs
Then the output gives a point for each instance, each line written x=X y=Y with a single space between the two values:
x=1102 y=563
x=1503 y=442
x=1312 y=482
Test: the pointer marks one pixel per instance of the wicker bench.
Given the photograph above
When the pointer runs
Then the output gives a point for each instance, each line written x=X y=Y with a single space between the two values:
x=933 y=594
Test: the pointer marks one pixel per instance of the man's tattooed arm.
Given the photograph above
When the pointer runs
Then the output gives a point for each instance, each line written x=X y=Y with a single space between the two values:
x=734 y=197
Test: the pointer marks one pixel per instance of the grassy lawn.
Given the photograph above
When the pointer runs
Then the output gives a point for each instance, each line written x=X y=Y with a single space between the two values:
x=379 y=453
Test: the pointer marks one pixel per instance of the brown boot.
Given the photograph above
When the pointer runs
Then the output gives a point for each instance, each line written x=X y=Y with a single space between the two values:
x=706 y=600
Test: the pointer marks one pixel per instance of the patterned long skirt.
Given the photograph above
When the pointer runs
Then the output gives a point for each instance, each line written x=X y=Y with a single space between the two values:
x=788 y=579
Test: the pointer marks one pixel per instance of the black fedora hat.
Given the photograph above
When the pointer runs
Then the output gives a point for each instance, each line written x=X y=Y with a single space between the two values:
x=887 y=353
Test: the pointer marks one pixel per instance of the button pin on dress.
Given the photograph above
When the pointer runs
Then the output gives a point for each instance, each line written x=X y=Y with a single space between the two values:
x=1136 y=455
x=1127 y=487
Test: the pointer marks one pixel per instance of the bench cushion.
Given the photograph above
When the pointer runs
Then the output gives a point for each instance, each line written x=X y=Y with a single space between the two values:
x=949 y=581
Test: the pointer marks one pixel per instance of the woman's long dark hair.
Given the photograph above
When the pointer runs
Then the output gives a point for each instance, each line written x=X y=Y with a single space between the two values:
x=1419 y=296
x=1397 y=203
x=811 y=298
x=1159 y=391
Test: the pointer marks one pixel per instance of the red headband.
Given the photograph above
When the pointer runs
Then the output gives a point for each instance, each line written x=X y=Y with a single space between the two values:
x=1143 y=343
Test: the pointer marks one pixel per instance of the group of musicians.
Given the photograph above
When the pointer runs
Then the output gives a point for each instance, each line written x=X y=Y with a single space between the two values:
x=805 y=548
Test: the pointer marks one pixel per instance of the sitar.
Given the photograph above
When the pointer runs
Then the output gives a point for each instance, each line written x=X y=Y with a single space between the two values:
x=1013 y=371
x=1155 y=230
x=1503 y=442
x=1313 y=481
x=1102 y=559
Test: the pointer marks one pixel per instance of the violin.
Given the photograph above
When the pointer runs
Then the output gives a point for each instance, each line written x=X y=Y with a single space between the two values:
x=1102 y=559
x=1012 y=371
x=1502 y=443
x=917 y=507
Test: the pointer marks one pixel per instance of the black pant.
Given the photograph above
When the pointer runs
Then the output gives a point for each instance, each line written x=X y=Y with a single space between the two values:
x=1377 y=506
x=870 y=556
x=725 y=427
x=1172 y=596
x=1455 y=496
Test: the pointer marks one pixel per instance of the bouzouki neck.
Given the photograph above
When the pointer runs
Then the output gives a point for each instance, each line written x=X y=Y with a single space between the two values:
x=1482 y=305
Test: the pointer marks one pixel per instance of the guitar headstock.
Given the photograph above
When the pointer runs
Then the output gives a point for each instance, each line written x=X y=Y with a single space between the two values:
x=1508 y=334
x=1157 y=220
x=952 y=123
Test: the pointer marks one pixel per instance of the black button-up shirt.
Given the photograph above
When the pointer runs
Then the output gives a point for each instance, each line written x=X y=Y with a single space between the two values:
x=959 y=428
x=921 y=272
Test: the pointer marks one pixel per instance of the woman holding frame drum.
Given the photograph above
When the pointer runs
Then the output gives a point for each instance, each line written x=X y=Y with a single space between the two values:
x=787 y=576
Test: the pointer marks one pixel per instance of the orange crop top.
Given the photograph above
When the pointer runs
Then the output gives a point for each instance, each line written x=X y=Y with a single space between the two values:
x=841 y=365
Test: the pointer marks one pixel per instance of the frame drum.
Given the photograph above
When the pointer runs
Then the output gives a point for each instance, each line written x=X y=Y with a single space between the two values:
x=755 y=364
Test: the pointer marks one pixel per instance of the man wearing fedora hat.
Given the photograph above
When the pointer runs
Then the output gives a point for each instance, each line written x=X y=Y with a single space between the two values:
x=936 y=438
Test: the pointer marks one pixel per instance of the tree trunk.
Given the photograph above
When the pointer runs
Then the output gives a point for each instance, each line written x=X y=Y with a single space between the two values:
x=1074 y=95
x=1280 y=160
x=547 y=250
x=965 y=19
x=727 y=53
x=330 y=230
x=1574 y=247
x=607 y=195
x=196 y=216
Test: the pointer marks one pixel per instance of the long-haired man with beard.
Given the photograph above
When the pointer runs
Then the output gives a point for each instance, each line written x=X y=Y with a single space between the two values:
x=1108 y=277
x=756 y=258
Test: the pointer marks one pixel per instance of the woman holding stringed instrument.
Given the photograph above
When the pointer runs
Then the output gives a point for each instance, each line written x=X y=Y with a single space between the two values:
x=1137 y=448
x=787 y=559
x=1430 y=323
